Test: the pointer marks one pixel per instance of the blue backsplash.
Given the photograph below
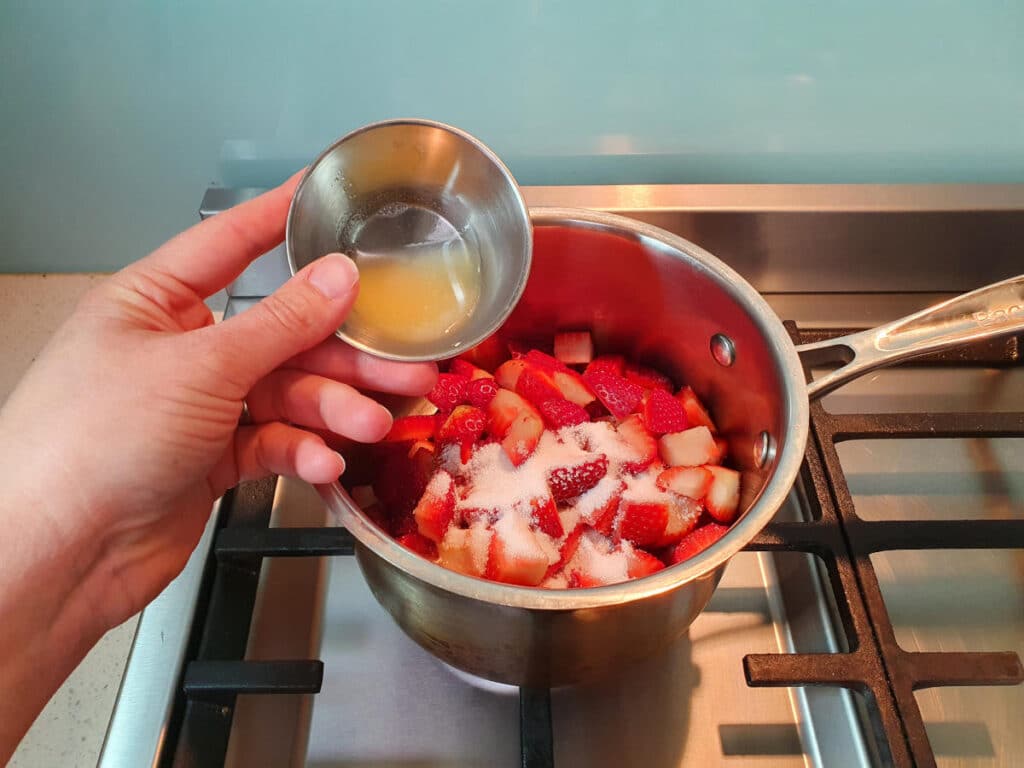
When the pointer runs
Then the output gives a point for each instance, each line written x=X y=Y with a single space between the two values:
x=116 y=115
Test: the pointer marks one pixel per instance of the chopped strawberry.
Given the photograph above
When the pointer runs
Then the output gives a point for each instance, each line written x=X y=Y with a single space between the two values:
x=643 y=564
x=449 y=391
x=536 y=386
x=516 y=423
x=683 y=516
x=518 y=349
x=545 y=514
x=436 y=507
x=662 y=413
x=692 y=482
x=643 y=523
x=567 y=550
x=411 y=428
x=419 y=544
x=614 y=364
x=574 y=348
x=697 y=541
x=421 y=445
x=569 y=482
x=572 y=387
x=619 y=396
x=481 y=391
x=722 y=450
x=690 y=448
x=696 y=413
x=516 y=557
x=545 y=361
x=488 y=354
x=723 y=497
x=561 y=413
x=645 y=447
x=465 y=424
x=580 y=580
x=466 y=550
x=604 y=519
x=508 y=373
x=466 y=368
x=648 y=378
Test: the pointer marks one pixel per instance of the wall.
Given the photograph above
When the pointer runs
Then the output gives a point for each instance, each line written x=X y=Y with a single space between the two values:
x=116 y=115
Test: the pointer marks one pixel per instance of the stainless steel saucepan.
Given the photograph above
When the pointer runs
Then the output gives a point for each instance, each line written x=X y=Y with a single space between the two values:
x=664 y=301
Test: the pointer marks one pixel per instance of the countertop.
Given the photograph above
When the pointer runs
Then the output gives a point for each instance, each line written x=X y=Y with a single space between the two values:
x=69 y=732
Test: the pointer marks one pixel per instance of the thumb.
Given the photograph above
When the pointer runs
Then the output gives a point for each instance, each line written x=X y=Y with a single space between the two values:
x=297 y=316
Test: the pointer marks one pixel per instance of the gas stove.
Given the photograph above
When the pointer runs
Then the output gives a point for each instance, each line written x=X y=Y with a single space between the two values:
x=878 y=620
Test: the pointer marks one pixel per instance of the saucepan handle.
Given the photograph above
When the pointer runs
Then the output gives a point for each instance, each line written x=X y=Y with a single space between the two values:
x=989 y=312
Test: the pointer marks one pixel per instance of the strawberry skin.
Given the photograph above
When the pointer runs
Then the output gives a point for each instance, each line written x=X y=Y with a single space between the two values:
x=647 y=378
x=411 y=428
x=620 y=396
x=481 y=391
x=663 y=413
x=449 y=391
x=463 y=427
x=544 y=361
x=643 y=564
x=697 y=541
x=516 y=423
x=696 y=413
x=536 y=386
x=614 y=364
x=545 y=514
x=561 y=413
x=633 y=431
x=642 y=523
x=569 y=482
x=567 y=550
x=508 y=373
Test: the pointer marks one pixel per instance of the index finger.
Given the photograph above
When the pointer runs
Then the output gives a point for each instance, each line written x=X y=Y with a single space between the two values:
x=214 y=252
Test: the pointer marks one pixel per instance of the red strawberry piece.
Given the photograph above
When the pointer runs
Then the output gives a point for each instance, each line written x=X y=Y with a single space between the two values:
x=723 y=497
x=516 y=423
x=574 y=348
x=481 y=391
x=696 y=413
x=545 y=515
x=697 y=541
x=508 y=373
x=466 y=368
x=580 y=580
x=662 y=413
x=536 y=386
x=569 y=482
x=648 y=378
x=401 y=479
x=518 y=349
x=633 y=431
x=683 y=515
x=421 y=445
x=567 y=550
x=643 y=523
x=722 y=450
x=642 y=564
x=619 y=396
x=560 y=413
x=488 y=354
x=615 y=364
x=411 y=428
x=449 y=391
x=572 y=387
x=419 y=544
x=692 y=482
x=516 y=557
x=605 y=517
x=465 y=424
x=692 y=447
x=545 y=361
x=436 y=507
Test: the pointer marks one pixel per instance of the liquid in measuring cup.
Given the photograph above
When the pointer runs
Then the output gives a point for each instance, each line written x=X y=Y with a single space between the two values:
x=419 y=277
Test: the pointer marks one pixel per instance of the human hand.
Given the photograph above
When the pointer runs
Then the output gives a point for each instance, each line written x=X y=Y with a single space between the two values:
x=128 y=421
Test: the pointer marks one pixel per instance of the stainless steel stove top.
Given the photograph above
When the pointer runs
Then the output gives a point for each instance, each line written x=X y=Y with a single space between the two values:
x=825 y=257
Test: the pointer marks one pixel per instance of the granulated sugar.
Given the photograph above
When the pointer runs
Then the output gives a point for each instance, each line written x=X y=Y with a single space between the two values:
x=590 y=504
x=596 y=558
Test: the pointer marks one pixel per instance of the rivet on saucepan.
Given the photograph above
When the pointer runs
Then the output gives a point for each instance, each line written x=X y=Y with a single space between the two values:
x=764 y=450
x=723 y=350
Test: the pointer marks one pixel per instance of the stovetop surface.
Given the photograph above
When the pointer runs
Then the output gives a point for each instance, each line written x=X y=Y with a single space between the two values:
x=384 y=701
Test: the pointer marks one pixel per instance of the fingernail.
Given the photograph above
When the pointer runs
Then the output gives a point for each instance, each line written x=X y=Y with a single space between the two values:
x=343 y=464
x=334 y=275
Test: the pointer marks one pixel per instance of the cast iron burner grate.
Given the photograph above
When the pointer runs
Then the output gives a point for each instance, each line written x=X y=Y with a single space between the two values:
x=215 y=671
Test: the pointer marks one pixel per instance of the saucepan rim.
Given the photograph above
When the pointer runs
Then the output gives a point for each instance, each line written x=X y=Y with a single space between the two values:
x=791 y=446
